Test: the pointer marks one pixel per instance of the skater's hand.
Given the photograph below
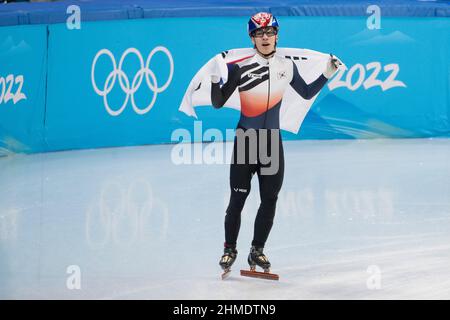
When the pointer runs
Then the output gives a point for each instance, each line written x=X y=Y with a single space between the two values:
x=215 y=79
x=332 y=66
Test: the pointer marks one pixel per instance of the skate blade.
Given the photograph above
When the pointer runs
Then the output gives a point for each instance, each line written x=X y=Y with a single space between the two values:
x=225 y=274
x=261 y=275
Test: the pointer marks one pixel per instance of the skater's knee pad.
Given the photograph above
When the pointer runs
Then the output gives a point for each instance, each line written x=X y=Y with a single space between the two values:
x=269 y=201
x=239 y=194
x=236 y=205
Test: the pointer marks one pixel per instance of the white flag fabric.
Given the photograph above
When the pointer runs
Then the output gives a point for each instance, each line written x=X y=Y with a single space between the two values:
x=310 y=64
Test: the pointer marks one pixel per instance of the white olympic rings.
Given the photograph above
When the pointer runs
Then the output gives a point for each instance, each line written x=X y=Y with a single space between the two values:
x=137 y=79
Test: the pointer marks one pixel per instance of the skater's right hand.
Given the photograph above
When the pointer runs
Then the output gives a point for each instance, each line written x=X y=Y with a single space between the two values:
x=332 y=66
x=215 y=79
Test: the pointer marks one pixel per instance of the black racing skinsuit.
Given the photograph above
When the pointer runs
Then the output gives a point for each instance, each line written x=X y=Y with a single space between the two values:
x=261 y=83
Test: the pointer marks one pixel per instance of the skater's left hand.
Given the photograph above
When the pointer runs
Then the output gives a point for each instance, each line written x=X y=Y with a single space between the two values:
x=332 y=66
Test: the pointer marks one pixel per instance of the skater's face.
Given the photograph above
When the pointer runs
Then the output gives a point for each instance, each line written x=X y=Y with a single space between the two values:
x=265 y=39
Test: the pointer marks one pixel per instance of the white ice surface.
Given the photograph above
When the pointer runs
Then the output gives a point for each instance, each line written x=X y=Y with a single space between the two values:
x=140 y=227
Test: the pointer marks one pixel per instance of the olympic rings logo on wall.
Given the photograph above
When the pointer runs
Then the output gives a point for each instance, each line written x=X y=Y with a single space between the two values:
x=124 y=81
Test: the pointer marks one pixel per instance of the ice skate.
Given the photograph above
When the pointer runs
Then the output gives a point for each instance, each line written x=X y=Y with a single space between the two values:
x=255 y=258
x=227 y=260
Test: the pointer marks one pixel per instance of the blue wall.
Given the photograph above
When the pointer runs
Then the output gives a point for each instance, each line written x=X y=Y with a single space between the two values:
x=62 y=110
x=23 y=71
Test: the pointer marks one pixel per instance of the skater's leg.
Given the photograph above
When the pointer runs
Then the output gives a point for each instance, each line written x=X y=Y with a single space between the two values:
x=269 y=187
x=240 y=184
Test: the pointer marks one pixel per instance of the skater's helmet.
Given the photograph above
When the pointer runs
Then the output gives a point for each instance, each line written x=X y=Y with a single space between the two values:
x=261 y=20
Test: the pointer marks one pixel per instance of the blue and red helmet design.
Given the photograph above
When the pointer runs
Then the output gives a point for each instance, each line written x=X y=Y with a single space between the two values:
x=261 y=20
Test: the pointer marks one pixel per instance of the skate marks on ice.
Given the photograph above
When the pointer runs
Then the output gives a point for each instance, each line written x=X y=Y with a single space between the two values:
x=410 y=267
x=203 y=287
x=345 y=206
